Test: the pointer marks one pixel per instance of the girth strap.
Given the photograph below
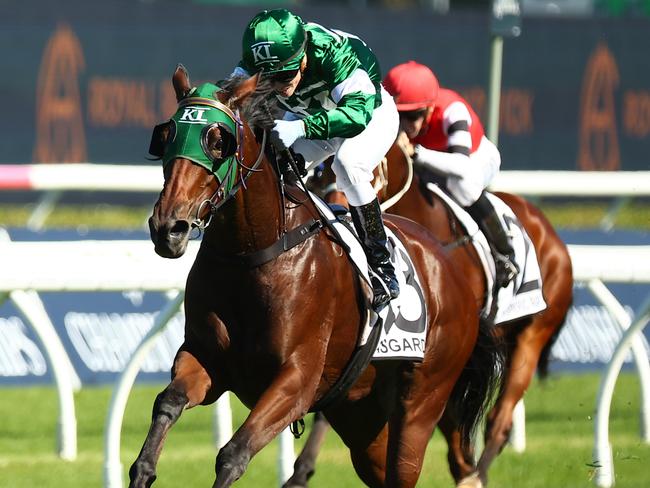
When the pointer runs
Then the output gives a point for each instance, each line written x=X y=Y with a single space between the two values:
x=359 y=361
x=288 y=240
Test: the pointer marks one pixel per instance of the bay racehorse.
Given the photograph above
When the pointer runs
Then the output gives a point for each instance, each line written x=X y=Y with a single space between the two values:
x=274 y=308
x=528 y=340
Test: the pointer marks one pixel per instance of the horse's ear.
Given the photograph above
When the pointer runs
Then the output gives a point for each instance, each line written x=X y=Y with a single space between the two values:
x=181 y=82
x=245 y=89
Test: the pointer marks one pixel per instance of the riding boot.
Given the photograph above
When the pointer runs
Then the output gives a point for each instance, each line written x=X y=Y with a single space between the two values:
x=487 y=219
x=370 y=227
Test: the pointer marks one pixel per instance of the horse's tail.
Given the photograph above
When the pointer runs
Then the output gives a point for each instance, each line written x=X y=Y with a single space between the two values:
x=478 y=383
x=545 y=354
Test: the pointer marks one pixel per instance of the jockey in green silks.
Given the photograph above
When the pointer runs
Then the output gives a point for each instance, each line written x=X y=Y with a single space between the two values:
x=329 y=85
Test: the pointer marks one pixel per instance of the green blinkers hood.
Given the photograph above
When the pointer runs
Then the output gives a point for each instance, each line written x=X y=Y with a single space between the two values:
x=196 y=114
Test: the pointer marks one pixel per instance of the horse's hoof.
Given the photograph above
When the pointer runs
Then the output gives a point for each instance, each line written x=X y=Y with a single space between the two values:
x=471 y=481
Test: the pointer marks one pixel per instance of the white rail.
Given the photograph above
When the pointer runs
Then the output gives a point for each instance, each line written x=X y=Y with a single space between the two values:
x=55 y=179
x=574 y=183
x=623 y=264
x=149 y=178
x=31 y=267
x=112 y=465
x=81 y=176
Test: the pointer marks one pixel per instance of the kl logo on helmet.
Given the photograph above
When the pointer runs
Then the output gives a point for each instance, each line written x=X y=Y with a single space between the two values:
x=194 y=116
x=262 y=52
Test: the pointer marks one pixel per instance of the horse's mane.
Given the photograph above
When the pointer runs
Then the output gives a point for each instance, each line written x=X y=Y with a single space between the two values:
x=260 y=108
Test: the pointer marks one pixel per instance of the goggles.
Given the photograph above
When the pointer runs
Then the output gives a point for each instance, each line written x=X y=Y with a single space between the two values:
x=413 y=115
x=282 y=77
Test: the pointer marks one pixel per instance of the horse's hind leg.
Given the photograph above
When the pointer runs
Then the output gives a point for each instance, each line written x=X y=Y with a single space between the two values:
x=461 y=461
x=305 y=464
x=188 y=388
x=519 y=374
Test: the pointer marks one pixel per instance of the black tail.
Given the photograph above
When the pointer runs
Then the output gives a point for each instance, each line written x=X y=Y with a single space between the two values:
x=544 y=356
x=478 y=383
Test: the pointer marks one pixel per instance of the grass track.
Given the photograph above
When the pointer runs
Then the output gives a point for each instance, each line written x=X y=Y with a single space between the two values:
x=581 y=214
x=559 y=442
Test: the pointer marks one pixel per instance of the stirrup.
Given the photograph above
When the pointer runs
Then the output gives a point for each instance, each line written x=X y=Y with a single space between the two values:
x=381 y=291
x=380 y=294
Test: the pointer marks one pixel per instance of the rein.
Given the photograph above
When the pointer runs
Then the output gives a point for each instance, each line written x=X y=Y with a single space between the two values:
x=201 y=223
x=288 y=239
x=385 y=205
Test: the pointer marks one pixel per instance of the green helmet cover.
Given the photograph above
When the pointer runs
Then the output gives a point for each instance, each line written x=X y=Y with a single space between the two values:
x=195 y=115
x=274 y=41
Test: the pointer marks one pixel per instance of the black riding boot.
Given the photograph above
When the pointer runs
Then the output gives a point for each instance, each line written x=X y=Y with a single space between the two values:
x=370 y=227
x=486 y=217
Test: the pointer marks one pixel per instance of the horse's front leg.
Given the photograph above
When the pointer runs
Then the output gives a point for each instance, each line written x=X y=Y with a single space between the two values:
x=288 y=398
x=189 y=387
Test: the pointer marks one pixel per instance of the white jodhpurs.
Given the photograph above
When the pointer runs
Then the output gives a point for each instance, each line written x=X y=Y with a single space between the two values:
x=475 y=173
x=356 y=158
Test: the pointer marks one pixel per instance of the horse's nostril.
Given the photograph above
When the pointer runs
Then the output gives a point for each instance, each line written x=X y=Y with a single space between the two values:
x=180 y=227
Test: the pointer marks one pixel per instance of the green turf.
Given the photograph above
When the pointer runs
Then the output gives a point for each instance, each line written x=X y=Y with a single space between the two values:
x=80 y=216
x=559 y=442
x=634 y=215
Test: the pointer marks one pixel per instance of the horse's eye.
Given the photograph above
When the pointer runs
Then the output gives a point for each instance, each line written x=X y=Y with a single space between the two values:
x=212 y=143
x=215 y=149
x=218 y=143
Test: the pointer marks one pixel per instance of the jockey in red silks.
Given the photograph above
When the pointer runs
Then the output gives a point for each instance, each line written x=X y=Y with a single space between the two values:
x=449 y=139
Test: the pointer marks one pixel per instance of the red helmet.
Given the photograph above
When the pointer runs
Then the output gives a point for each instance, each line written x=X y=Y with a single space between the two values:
x=412 y=85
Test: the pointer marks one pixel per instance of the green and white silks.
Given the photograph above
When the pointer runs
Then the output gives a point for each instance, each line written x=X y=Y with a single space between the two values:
x=340 y=88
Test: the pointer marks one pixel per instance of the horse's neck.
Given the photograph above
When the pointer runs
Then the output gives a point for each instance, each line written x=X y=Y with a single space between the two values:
x=252 y=220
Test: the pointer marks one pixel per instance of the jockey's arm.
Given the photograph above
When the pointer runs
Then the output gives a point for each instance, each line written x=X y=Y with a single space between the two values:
x=447 y=163
x=455 y=160
x=348 y=119
x=354 y=94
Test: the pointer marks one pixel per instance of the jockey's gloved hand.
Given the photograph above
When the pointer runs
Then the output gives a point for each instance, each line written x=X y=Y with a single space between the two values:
x=424 y=155
x=288 y=131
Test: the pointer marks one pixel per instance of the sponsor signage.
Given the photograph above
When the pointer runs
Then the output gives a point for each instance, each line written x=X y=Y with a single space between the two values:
x=574 y=94
x=99 y=332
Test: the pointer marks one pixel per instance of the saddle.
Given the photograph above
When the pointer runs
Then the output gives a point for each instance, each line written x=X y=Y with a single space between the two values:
x=399 y=330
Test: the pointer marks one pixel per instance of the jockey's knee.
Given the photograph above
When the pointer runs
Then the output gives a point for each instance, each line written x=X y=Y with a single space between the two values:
x=464 y=191
x=351 y=174
x=359 y=194
x=355 y=182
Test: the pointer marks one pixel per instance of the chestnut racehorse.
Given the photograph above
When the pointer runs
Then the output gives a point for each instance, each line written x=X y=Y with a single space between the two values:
x=276 y=325
x=528 y=340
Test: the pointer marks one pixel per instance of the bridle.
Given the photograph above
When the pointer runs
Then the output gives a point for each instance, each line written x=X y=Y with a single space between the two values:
x=214 y=202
